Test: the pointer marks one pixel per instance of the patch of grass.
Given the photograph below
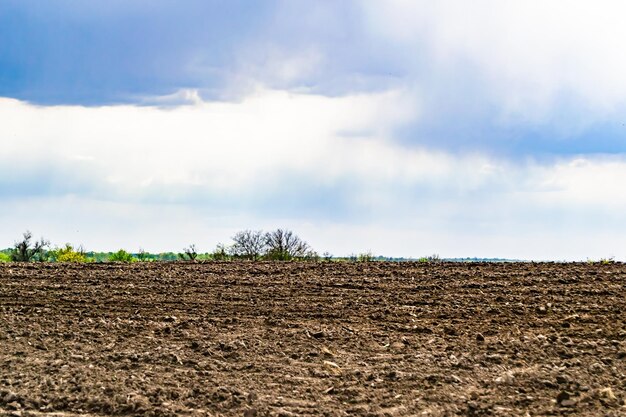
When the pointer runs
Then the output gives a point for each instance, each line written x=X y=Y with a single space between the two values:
x=121 y=256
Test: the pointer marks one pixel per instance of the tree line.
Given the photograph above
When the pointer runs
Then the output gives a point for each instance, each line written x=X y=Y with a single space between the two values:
x=253 y=245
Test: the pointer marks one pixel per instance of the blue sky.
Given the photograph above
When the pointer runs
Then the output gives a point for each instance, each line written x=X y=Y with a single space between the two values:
x=404 y=128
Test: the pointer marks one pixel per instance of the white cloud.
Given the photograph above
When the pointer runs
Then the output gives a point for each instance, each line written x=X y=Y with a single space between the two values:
x=534 y=55
x=215 y=145
x=327 y=167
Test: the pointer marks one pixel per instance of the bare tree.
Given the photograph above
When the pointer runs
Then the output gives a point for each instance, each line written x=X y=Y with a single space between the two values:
x=26 y=251
x=283 y=245
x=249 y=244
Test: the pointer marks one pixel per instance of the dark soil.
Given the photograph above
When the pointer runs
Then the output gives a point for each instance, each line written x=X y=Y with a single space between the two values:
x=313 y=338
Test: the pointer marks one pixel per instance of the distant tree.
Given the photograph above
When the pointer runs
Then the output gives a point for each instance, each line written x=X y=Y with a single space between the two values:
x=312 y=256
x=142 y=255
x=327 y=256
x=365 y=257
x=284 y=245
x=121 y=256
x=248 y=244
x=27 y=251
x=435 y=258
x=220 y=253
x=189 y=253
x=167 y=256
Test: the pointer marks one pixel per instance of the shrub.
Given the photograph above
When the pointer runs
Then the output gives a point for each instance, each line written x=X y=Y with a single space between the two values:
x=189 y=253
x=327 y=256
x=312 y=256
x=121 y=256
x=68 y=254
x=220 y=253
x=26 y=251
x=430 y=259
x=4 y=257
x=365 y=257
x=143 y=256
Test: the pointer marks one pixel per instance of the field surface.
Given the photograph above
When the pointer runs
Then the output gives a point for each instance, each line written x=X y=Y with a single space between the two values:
x=286 y=339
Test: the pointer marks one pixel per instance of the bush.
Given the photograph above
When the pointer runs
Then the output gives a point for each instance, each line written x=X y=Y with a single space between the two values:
x=4 y=257
x=220 y=253
x=68 y=254
x=365 y=257
x=312 y=256
x=143 y=256
x=189 y=253
x=26 y=251
x=430 y=259
x=121 y=256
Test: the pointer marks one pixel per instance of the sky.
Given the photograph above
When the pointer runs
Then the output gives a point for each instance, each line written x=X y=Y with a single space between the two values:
x=492 y=128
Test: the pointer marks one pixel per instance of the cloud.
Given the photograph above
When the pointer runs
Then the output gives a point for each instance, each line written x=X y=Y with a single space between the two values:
x=216 y=146
x=531 y=55
x=327 y=167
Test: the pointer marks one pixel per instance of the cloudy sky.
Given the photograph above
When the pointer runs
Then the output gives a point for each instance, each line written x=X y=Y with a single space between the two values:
x=401 y=127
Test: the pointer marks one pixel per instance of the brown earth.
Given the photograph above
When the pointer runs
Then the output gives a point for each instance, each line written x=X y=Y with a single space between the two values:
x=289 y=339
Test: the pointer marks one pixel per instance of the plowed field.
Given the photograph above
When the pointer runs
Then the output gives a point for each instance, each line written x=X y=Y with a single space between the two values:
x=313 y=338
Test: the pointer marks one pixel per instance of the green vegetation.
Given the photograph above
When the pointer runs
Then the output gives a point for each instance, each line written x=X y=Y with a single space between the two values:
x=365 y=257
x=430 y=259
x=602 y=261
x=27 y=251
x=220 y=253
x=121 y=256
x=68 y=254
x=251 y=245
x=189 y=253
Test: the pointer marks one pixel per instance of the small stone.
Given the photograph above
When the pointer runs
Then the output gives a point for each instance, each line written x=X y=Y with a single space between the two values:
x=332 y=367
x=507 y=378
x=10 y=397
x=563 y=396
x=14 y=405
x=397 y=346
x=252 y=397
x=607 y=393
x=394 y=375
x=596 y=368
x=562 y=379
